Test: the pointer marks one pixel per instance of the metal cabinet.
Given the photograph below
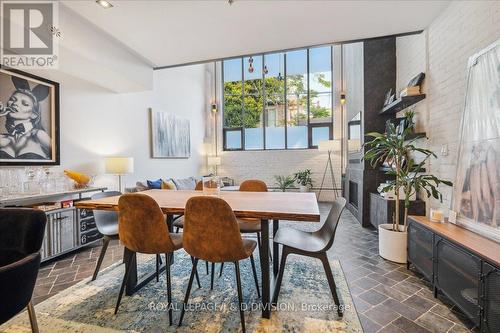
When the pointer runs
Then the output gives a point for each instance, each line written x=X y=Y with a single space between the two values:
x=420 y=249
x=490 y=297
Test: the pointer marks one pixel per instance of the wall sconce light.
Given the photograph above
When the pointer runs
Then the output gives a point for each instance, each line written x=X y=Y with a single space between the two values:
x=214 y=108
x=342 y=98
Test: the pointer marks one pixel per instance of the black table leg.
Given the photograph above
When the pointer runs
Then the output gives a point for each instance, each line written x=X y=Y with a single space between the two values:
x=276 y=249
x=132 y=277
x=170 y=225
x=264 y=261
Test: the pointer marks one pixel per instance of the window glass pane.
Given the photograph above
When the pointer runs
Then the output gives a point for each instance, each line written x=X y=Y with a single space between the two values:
x=320 y=134
x=254 y=138
x=320 y=108
x=232 y=77
x=253 y=111
x=275 y=76
x=275 y=122
x=233 y=106
x=320 y=69
x=252 y=72
x=296 y=72
x=297 y=121
x=233 y=139
x=297 y=137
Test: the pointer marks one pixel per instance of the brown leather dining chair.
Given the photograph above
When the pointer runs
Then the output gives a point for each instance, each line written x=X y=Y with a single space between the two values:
x=142 y=229
x=249 y=225
x=211 y=233
x=311 y=244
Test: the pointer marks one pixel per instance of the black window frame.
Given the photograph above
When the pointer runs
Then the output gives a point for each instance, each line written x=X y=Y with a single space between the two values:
x=310 y=125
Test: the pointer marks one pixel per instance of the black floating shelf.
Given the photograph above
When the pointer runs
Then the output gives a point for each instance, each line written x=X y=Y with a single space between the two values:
x=401 y=104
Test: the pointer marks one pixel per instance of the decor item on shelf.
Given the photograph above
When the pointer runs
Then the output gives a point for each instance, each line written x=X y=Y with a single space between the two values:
x=284 y=182
x=410 y=91
x=436 y=215
x=417 y=80
x=476 y=196
x=81 y=179
x=329 y=146
x=303 y=178
x=119 y=166
x=170 y=135
x=211 y=185
x=214 y=161
x=409 y=178
x=29 y=119
x=388 y=97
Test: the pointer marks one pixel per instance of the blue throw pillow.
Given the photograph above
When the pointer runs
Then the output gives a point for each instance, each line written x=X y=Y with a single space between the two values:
x=154 y=184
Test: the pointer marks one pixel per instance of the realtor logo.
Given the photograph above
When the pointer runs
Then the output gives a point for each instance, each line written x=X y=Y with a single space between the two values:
x=28 y=39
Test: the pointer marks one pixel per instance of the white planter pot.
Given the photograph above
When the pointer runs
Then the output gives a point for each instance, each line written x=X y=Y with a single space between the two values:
x=304 y=188
x=392 y=244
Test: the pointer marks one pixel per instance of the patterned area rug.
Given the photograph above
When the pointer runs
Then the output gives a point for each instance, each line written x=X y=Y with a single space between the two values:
x=305 y=302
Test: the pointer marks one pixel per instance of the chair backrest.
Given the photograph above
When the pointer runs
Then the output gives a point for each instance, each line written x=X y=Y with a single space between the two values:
x=199 y=186
x=253 y=185
x=327 y=231
x=105 y=220
x=21 y=237
x=211 y=231
x=142 y=226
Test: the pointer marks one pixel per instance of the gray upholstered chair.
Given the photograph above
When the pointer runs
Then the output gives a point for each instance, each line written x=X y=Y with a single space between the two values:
x=311 y=244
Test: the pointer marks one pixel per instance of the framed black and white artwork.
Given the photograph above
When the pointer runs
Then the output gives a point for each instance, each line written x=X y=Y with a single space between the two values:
x=170 y=135
x=476 y=194
x=29 y=119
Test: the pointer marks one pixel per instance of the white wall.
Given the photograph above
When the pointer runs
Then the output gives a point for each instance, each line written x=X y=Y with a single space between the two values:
x=463 y=29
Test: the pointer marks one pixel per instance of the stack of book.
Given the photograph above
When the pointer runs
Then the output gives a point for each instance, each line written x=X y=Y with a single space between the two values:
x=410 y=91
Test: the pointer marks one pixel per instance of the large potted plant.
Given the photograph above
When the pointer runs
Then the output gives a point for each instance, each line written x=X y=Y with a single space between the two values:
x=303 y=178
x=409 y=178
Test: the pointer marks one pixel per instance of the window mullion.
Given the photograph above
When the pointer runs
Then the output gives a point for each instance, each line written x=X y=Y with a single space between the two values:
x=309 y=132
x=285 y=100
x=243 y=105
x=264 y=108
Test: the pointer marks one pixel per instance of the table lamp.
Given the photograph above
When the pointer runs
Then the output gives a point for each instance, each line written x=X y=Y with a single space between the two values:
x=119 y=166
x=329 y=146
x=214 y=161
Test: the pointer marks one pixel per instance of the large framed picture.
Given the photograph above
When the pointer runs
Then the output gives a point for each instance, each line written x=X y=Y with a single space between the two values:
x=476 y=195
x=29 y=119
x=170 y=135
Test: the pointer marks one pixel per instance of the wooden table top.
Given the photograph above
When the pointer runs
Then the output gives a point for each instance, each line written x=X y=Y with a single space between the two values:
x=291 y=206
x=482 y=246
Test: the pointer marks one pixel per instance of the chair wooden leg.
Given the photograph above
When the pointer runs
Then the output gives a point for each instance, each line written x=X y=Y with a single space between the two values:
x=125 y=278
x=331 y=282
x=188 y=290
x=105 y=243
x=252 y=261
x=196 y=273
x=221 y=268
x=212 y=277
x=169 y=288
x=279 y=279
x=240 y=295
x=32 y=315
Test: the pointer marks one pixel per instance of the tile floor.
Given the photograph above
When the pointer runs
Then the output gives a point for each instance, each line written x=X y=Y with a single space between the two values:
x=388 y=297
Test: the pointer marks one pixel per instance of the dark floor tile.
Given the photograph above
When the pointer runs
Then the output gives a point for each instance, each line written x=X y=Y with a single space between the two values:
x=366 y=283
x=390 y=329
x=434 y=322
x=355 y=290
x=403 y=309
x=381 y=314
x=382 y=279
x=397 y=276
x=408 y=325
x=361 y=305
x=407 y=288
x=369 y=326
x=373 y=297
x=457 y=328
x=419 y=303
x=63 y=263
x=391 y=292
x=375 y=269
x=452 y=315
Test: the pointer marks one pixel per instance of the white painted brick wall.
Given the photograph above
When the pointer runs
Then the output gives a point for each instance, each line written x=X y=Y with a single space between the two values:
x=463 y=29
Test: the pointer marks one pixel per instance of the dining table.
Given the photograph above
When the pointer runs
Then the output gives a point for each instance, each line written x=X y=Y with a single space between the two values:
x=264 y=206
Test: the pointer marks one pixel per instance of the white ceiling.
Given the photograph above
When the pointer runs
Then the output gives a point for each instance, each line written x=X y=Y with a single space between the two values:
x=169 y=33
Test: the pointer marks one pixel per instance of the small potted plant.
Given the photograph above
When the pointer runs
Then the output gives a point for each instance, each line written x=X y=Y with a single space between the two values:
x=303 y=178
x=409 y=179
x=284 y=182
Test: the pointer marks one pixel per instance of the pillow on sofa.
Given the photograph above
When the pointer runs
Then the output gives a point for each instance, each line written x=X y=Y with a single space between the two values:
x=168 y=185
x=185 y=184
x=154 y=184
x=140 y=186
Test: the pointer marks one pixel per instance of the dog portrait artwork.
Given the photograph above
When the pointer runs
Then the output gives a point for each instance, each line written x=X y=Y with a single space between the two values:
x=29 y=119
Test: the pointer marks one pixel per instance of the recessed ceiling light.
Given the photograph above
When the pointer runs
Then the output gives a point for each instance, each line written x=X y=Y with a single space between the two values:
x=104 y=4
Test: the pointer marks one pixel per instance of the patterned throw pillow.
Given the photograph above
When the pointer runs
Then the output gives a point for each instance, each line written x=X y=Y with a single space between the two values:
x=185 y=184
x=154 y=184
x=168 y=185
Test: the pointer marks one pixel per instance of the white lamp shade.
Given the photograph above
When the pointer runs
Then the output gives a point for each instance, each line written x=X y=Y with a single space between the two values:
x=119 y=165
x=330 y=145
x=214 y=160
